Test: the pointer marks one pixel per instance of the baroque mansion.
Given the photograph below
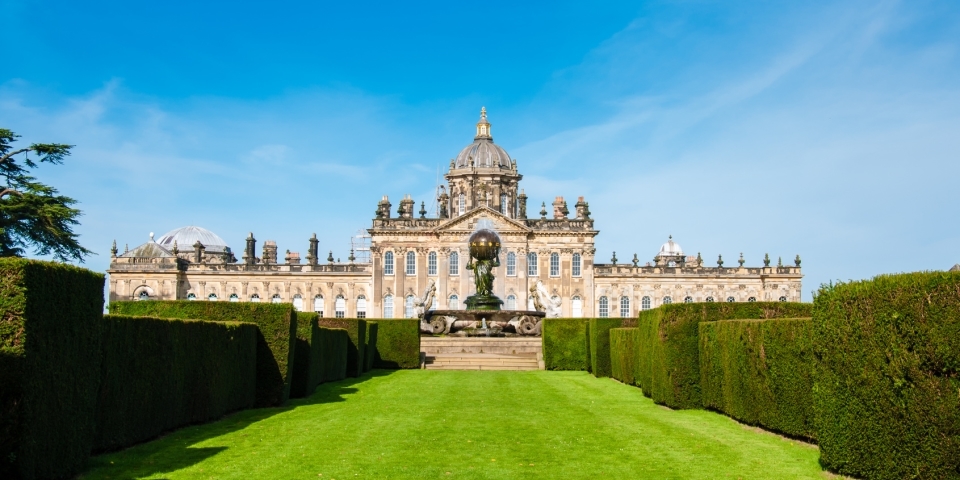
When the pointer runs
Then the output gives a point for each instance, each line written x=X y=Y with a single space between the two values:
x=410 y=250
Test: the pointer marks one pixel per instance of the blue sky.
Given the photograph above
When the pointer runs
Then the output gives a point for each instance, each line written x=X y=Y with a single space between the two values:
x=825 y=129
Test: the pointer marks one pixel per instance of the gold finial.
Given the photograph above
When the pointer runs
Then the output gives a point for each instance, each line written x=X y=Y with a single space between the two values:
x=483 y=111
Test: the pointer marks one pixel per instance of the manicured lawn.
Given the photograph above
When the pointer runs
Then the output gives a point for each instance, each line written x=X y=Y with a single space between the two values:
x=437 y=424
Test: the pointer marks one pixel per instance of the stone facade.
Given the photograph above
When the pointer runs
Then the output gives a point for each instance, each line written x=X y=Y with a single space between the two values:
x=409 y=250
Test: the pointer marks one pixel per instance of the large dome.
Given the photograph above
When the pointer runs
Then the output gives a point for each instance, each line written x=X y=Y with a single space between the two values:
x=483 y=153
x=187 y=236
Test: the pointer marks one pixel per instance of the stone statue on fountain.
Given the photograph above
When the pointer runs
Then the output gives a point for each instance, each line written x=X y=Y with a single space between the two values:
x=484 y=248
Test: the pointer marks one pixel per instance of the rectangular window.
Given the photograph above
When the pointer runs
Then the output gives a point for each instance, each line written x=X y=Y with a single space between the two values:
x=577 y=307
x=531 y=264
x=388 y=263
x=388 y=306
x=511 y=264
x=604 y=307
x=454 y=263
x=411 y=263
x=454 y=303
x=624 y=307
x=576 y=265
x=554 y=265
x=432 y=263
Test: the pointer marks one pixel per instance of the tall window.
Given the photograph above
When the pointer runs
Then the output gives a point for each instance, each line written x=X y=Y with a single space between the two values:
x=604 y=307
x=253 y=298
x=645 y=303
x=411 y=263
x=143 y=295
x=408 y=307
x=731 y=299
x=532 y=264
x=454 y=263
x=276 y=298
x=361 y=307
x=530 y=303
x=555 y=300
x=577 y=306
x=511 y=302
x=554 y=265
x=212 y=297
x=575 y=266
x=624 y=306
x=453 y=303
x=503 y=203
x=436 y=304
x=234 y=297
x=298 y=302
x=340 y=307
x=667 y=300
x=388 y=263
x=511 y=264
x=191 y=296
x=388 y=306
x=432 y=263
x=318 y=304
x=462 y=204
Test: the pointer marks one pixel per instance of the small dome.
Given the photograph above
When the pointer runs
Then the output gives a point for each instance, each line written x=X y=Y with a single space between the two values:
x=187 y=236
x=670 y=248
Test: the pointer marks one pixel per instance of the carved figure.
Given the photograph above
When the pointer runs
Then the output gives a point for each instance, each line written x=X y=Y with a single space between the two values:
x=427 y=299
x=542 y=301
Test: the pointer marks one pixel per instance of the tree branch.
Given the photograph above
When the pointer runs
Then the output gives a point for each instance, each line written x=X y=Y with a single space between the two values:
x=8 y=191
x=15 y=152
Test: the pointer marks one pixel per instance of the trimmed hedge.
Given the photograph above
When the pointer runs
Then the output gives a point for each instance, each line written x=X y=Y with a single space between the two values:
x=276 y=344
x=371 y=346
x=398 y=344
x=160 y=374
x=623 y=354
x=887 y=370
x=306 y=360
x=565 y=344
x=599 y=335
x=668 y=348
x=760 y=372
x=357 y=329
x=49 y=367
x=334 y=343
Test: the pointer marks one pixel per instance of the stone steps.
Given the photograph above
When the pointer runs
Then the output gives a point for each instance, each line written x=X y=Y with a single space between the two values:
x=503 y=345
x=481 y=353
x=480 y=361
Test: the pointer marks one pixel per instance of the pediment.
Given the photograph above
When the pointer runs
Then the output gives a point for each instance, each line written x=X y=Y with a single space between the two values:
x=468 y=222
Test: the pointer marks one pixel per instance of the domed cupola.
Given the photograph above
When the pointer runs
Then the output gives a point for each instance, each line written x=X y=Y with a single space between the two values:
x=670 y=249
x=185 y=237
x=483 y=153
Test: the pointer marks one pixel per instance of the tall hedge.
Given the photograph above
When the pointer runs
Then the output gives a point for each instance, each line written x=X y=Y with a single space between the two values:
x=371 y=346
x=565 y=344
x=398 y=344
x=276 y=343
x=49 y=367
x=760 y=372
x=307 y=358
x=887 y=376
x=599 y=336
x=357 y=329
x=334 y=345
x=623 y=354
x=670 y=373
x=160 y=374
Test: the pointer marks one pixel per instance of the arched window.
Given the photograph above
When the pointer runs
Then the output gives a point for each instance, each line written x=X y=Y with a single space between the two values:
x=361 y=306
x=511 y=302
x=255 y=298
x=191 y=296
x=340 y=307
x=624 y=306
x=577 y=306
x=453 y=303
x=212 y=297
x=503 y=203
x=388 y=263
x=511 y=264
x=298 y=302
x=554 y=265
x=388 y=306
x=687 y=299
x=462 y=204
x=411 y=263
x=276 y=298
x=667 y=300
x=530 y=304
x=783 y=299
x=408 y=307
x=532 y=264
x=575 y=265
x=234 y=297
x=432 y=263
x=710 y=300
x=604 y=307
x=645 y=303
x=454 y=263
x=731 y=299
x=318 y=304
x=143 y=295
x=752 y=299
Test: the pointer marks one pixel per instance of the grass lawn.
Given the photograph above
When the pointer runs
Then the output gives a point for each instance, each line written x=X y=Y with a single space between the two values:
x=445 y=424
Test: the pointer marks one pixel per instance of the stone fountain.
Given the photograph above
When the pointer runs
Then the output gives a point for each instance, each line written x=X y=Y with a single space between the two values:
x=484 y=315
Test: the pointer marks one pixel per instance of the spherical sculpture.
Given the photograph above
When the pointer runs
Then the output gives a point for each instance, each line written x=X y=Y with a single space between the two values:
x=484 y=245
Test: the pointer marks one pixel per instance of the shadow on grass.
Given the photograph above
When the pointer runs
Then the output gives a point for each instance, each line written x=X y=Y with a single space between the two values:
x=172 y=451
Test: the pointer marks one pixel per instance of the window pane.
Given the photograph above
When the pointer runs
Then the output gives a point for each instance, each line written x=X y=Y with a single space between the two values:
x=531 y=264
x=624 y=307
x=511 y=302
x=255 y=298
x=408 y=307
x=731 y=299
x=463 y=204
x=667 y=300
x=432 y=263
x=388 y=306
x=388 y=263
x=276 y=298
x=503 y=204
x=234 y=297
x=298 y=302
x=645 y=303
x=212 y=297
x=340 y=307
x=511 y=264
x=554 y=265
x=361 y=307
x=577 y=306
x=604 y=307
x=454 y=263
x=411 y=263
x=454 y=303
x=318 y=304
x=191 y=296
x=576 y=265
